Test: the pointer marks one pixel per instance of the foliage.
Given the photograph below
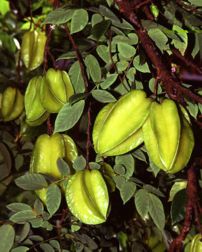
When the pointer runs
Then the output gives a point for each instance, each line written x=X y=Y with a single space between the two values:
x=101 y=48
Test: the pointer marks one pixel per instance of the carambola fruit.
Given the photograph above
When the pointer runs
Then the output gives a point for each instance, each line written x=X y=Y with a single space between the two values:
x=32 y=49
x=46 y=152
x=56 y=88
x=168 y=136
x=87 y=197
x=118 y=126
x=12 y=104
x=35 y=112
x=196 y=244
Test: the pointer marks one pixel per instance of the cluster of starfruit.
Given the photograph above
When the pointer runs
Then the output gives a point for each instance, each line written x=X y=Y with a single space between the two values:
x=85 y=191
x=164 y=127
x=32 y=49
x=11 y=104
x=46 y=94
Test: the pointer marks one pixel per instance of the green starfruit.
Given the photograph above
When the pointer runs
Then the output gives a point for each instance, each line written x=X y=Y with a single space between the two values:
x=168 y=136
x=56 y=88
x=12 y=104
x=32 y=49
x=35 y=112
x=47 y=150
x=87 y=197
x=117 y=127
x=196 y=244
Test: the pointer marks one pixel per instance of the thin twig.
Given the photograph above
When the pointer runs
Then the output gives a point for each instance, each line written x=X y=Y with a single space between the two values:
x=79 y=57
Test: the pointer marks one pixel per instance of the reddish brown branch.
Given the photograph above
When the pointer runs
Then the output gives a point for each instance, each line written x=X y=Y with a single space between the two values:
x=171 y=84
x=79 y=57
x=192 y=209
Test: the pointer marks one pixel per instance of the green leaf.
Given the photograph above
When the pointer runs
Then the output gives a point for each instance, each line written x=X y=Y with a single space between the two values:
x=53 y=198
x=94 y=166
x=159 y=38
x=128 y=162
x=176 y=187
x=23 y=232
x=140 y=67
x=59 y=16
x=119 y=169
x=63 y=167
x=103 y=96
x=79 y=163
x=79 y=20
x=68 y=116
x=45 y=247
x=139 y=154
x=178 y=207
x=6 y=161
x=111 y=78
x=20 y=249
x=38 y=207
x=103 y=52
x=7 y=235
x=76 y=78
x=141 y=203
x=4 y=7
x=93 y=68
x=180 y=45
x=23 y=216
x=108 y=13
x=55 y=244
x=31 y=181
x=127 y=191
x=17 y=207
x=100 y=29
x=193 y=109
x=156 y=211
x=120 y=181
x=153 y=190
x=125 y=50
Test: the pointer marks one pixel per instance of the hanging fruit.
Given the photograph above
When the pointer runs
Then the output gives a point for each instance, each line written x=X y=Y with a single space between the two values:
x=12 y=104
x=87 y=197
x=32 y=49
x=56 y=88
x=168 y=136
x=46 y=152
x=35 y=112
x=196 y=244
x=117 y=127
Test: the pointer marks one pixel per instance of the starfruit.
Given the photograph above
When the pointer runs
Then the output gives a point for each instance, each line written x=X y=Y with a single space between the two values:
x=196 y=244
x=56 y=88
x=117 y=127
x=32 y=49
x=46 y=152
x=87 y=197
x=12 y=104
x=168 y=136
x=35 y=112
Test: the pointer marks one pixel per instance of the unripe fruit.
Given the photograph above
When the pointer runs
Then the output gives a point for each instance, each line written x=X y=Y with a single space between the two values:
x=46 y=152
x=87 y=197
x=35 y=112
x=168 y=136
x=32 y=50
x=117 y=127
x=196 y=244
x=56 y=88
x=12 y=104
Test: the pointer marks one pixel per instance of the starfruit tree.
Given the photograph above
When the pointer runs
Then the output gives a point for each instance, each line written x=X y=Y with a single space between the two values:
x=100 y=133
